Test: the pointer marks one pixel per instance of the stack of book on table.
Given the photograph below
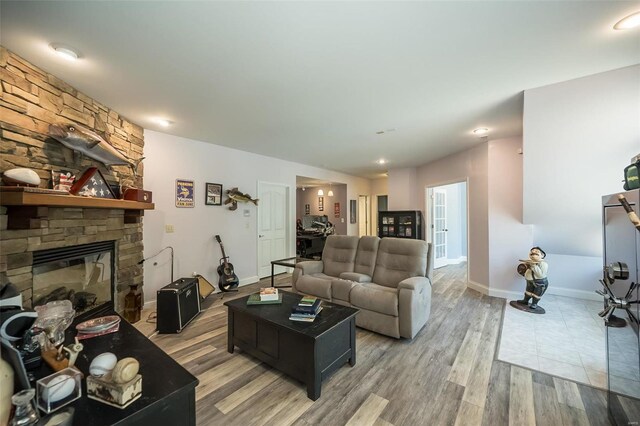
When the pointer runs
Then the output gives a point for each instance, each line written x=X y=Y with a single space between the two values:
x=267 y=296
x=306 y=310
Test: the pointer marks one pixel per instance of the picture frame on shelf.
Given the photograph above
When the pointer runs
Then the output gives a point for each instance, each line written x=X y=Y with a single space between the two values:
x=213 y=194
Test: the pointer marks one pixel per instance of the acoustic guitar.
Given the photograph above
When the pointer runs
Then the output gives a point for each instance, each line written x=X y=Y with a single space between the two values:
x=228 y=279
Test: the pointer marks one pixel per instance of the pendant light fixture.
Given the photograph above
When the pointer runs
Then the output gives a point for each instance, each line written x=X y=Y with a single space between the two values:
x=320 y=192
x=330 y=193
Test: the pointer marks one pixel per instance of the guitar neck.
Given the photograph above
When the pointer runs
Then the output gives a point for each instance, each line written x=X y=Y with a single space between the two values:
x=224 y=256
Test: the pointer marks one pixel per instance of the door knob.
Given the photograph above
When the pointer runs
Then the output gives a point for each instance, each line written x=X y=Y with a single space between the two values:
x=260 y=236
x=446 y=230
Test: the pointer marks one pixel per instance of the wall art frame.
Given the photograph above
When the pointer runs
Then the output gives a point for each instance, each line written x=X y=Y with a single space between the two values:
x=213 y=194
x=185 y=190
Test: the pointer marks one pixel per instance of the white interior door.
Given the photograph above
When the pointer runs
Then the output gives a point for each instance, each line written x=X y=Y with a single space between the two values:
x=273 y=224
x=363 y=215
x=439 y=228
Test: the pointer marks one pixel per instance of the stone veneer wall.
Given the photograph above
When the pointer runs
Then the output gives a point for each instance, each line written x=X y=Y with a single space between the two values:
x=30 y=100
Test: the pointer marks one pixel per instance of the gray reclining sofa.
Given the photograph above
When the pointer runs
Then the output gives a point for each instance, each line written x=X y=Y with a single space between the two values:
x=388 y=279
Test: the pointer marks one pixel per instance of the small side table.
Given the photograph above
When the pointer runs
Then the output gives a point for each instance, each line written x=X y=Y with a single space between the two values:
x=287 y=261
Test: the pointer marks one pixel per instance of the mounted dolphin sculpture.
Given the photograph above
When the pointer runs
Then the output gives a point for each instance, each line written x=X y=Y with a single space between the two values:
x=91 y=144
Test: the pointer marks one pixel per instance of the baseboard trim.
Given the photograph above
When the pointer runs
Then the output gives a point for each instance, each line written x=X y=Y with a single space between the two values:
x=457 y=261
x=576 y=294
x=513 y=295
x=248 y=280
x=481 y=288
x=493 y=292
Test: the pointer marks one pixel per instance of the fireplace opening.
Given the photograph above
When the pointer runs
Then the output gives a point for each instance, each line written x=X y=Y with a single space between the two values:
x=82 y=274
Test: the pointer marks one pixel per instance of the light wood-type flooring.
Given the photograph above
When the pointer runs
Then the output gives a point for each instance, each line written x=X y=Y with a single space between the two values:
x=446 y=375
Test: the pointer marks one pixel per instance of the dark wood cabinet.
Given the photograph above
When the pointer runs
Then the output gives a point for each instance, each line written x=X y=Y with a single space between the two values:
x=401 y=224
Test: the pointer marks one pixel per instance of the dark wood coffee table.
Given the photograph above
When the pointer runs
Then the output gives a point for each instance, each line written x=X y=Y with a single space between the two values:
x=306 y=351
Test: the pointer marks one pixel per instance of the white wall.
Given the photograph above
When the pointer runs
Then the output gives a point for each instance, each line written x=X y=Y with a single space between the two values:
x=509 y=239
x=469 y=165
x=169 y=158
x=402 y=187
x=578 y=137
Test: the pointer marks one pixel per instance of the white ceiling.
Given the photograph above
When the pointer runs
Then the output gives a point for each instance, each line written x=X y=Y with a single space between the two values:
x=312 y=82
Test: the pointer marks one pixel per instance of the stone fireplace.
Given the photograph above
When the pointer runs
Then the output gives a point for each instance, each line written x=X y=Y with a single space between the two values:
x=82 y=274
x=71 y=227
x=30 y=100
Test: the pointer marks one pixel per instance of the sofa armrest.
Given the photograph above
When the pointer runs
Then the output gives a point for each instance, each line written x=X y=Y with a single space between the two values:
x=307 y=267
x=310 y=266
x=413 y=283
x=414 y=305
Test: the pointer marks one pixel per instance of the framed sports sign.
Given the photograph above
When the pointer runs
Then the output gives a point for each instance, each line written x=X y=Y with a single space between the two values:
x=185 y=190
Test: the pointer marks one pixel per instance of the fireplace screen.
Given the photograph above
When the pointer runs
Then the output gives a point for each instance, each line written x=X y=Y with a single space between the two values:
x=82 y=274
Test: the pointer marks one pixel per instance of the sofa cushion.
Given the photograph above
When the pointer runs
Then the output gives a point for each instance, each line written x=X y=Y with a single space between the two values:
x=354 y=276
x=322 y=276
x=314 y=286
x=398 y=259
x=339 y=254
x=375 y=298
x=366 y=255
x=341 y=289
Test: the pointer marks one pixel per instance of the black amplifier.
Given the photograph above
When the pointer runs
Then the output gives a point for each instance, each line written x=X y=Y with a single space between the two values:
x=178 y=303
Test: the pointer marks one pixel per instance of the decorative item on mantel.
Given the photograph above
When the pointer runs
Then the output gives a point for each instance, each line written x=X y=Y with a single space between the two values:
x=62 y=181
x=235 y=196
x=21 y=177
x=92 y=184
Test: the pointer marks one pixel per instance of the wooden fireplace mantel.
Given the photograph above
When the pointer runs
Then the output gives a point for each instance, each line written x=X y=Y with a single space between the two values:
x=27 y=198
x=28 y=207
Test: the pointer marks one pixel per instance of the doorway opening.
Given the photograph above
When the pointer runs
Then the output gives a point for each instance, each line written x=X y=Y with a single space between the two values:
x=364 y=216
x=273 y=225
x=447 y=211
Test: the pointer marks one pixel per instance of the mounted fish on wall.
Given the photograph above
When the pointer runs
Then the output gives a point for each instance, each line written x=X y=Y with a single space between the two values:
x=235 y=195
x=89 y=143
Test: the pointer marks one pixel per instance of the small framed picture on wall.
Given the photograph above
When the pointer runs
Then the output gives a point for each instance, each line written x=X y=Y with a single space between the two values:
x=307 y=209
x=321 y=204
x=213 y=194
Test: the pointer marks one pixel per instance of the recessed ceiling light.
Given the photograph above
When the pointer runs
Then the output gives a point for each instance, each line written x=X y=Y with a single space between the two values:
x=163 y=122
x=481 y=131
x=381 y=161
x=628 y=22
x=64 y=51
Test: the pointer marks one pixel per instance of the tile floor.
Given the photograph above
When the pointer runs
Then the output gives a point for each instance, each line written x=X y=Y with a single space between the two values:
x=569 y=342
